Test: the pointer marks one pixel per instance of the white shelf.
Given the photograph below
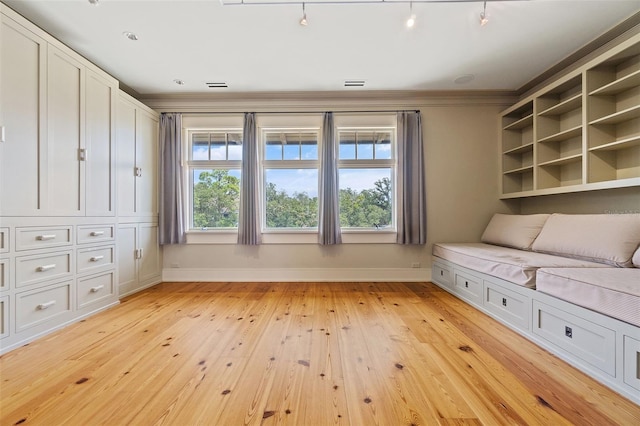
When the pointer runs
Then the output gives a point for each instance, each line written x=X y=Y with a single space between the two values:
x=570 y=104
x=520 y=149
x=562 y=161
x=620 y=85
x=563 y=135
x=618 y=145
x=619 y=117
x=521 y=123
x=519 y=170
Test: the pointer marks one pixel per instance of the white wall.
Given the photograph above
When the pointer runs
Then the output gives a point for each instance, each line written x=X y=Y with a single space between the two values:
x=461 y=149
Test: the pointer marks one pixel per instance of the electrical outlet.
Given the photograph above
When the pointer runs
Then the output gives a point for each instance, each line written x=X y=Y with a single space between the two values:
x=415 y=265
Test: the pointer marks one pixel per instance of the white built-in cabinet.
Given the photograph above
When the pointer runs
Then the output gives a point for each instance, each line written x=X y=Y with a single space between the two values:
x=60 y=254
x=578 y=133
x=139 y=263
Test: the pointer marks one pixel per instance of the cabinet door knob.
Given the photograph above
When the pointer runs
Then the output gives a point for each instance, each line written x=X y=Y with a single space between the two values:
x=97 y=233
x=46 y=237
x=96 y=258
x=96 y=288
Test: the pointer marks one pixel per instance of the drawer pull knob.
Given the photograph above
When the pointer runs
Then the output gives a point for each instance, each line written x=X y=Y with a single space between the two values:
x=46 y=237
x=96 y=258
x=96 y=288
x=466 y=284
x=96 y=233
x=45 y=268
x=504 y=302
x=568 y=332
x=47 y=305
x=441 y=273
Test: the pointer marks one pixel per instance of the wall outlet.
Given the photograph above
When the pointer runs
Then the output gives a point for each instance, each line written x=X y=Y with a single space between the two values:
x=415 y=265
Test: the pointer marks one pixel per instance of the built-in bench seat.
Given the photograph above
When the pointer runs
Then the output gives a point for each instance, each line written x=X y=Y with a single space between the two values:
x=611 y=291
x=516 y=266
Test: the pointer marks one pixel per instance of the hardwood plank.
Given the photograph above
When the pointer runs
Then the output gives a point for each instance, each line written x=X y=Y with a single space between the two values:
x=296 y=353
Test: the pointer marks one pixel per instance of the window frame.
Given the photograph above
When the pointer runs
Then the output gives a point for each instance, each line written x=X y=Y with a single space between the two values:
x=285 y=165
x=192 y=165
x=373 y=163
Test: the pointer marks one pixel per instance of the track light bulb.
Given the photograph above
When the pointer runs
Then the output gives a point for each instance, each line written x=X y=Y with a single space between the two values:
x=303 y=20
x=484 y=19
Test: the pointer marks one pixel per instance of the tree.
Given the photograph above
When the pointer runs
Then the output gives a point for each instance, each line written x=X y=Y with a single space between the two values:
x=216 y=200
x=290 y=211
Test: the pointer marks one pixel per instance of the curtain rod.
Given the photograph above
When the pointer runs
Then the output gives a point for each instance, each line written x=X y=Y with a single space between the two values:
x=296 y=112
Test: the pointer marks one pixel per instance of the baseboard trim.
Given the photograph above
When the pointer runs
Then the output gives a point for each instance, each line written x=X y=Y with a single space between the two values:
x=297 y=274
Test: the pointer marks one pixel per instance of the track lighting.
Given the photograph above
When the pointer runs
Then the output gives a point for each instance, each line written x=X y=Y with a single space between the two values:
x=412 y=18
x=303 y=20
x=484 y=19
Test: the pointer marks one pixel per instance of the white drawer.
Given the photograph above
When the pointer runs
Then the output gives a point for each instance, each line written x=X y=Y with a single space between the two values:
x=468 y=287
x=632 y=362
x=88 y=234
x=5 y=269
x=38 y=306
x=441 y=274
x=95 y=259
x=95 y=288
x=4 y=316
x=4 y=240
x=583 y=339
x=43 y=267
x=43 y=237
x=512 y=307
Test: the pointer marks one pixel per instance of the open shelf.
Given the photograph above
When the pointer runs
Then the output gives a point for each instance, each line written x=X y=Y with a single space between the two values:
x=619 y=116
x=563 y=135
x=618 y=144
x=576 y=158
x=620 y=85
x=574 y=102
x=519 y=170
x=521 y=123
x=520 y=149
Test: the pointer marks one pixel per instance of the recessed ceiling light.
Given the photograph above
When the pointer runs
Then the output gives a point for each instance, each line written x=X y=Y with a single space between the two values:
x=178 y=82
x=130 y=35
x=464 y=79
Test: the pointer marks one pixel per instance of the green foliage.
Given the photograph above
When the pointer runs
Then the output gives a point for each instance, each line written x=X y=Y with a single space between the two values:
x=216 y=200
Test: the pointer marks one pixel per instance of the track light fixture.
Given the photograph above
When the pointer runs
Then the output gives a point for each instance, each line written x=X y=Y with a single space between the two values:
x=303 y=20
x=412 y=18
x=94 y=2
x=484 y=19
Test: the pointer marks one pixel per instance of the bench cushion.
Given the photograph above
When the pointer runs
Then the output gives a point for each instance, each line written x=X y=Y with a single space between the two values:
x=607 y=238
x=512 y=230
x=614 y=292
x=516 y=266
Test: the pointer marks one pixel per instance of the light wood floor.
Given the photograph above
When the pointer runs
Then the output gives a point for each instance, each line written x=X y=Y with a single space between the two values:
x=297 y=354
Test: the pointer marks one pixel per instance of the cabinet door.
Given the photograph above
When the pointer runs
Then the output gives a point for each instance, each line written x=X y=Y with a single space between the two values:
x=65 y=89
x=22 y=110
x=126 y=157
x=99 y=146
x=149 y=263
x=127 y=262
x=147 y=161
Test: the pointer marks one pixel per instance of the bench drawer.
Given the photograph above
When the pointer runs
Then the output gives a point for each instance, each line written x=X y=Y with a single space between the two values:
x=512 y=307
x=95 y=288
x=34 y=269
x=36 y=307
x=583 y=339
x=441 y=274
x=468 y=287
x=40 y=238
x=632 y=362
x=95 y=259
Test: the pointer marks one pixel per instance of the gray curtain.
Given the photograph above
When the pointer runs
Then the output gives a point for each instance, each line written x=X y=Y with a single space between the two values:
x=249 y=221
x=412 y=216
x=329 y=220
x=171 y=220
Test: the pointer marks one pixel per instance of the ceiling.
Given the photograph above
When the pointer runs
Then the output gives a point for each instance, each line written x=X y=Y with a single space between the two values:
x=263 y=48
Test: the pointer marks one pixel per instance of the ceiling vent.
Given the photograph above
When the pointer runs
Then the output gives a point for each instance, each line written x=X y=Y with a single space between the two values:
x=217 y=85
x=353 y=83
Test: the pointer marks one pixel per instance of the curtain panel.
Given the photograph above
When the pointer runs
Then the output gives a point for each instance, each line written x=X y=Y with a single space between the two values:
x=412 y=216
x=249 y=220
x=329 y=219
x=171 y=217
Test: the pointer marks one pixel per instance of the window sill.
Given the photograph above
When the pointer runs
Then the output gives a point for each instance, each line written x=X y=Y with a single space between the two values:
x=348 y=237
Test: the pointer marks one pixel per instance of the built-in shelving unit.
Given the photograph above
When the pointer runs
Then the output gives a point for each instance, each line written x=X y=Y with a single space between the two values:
x=579 y=133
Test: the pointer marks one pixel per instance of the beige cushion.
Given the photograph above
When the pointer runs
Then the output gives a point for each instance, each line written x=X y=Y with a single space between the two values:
x=606 y=238
x=517 y=231
x=636 y=258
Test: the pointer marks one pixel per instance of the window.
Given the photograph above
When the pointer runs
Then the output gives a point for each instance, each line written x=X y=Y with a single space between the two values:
x=290 y=170
x=215 y=158
x=366 y=177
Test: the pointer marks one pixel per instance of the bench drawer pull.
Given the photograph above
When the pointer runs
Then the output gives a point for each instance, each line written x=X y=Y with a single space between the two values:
x=46 y=237
x=96 y=233
x=96 y=258
x=96 y=288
